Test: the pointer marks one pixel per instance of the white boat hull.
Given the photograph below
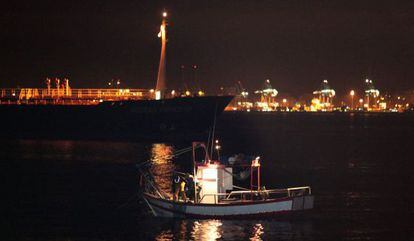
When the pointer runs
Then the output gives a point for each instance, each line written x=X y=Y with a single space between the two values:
x=166 y=208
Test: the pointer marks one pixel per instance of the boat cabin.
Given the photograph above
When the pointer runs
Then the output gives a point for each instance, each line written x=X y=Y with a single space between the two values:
x=214 y=180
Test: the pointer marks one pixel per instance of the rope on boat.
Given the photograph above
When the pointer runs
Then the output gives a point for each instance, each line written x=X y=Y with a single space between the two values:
x=241 y=188
x=130 y=199
x=238 y=176
x=213 y=132
x=177 y=153
x=150 y=184
x=149 y=179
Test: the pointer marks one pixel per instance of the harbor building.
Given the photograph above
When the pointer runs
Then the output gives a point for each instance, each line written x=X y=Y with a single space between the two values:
x=267 y=97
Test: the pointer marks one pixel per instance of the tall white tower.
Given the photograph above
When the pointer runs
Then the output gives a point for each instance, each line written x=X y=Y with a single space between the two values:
x=161 y=85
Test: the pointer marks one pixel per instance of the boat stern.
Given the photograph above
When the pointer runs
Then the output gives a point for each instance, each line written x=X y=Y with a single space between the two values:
x=302 y=203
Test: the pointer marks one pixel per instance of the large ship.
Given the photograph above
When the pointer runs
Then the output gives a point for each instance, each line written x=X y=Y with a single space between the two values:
x=60 y=112
x=165 y=119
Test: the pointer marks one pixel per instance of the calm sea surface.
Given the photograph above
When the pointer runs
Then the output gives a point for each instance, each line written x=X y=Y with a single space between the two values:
x=360 y=167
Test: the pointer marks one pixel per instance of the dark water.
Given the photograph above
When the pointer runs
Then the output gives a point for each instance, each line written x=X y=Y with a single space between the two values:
x=360 y=168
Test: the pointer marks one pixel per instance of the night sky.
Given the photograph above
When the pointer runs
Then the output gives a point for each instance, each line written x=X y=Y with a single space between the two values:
x=295 y=44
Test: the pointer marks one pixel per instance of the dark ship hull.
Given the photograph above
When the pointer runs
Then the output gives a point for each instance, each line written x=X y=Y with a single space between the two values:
x=168 y=119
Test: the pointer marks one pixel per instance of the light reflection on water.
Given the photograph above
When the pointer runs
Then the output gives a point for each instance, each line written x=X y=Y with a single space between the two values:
x=207 y=230
x=255 y=230
x=162 y=165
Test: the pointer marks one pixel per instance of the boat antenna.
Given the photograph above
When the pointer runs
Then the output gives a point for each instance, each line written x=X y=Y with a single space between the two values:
x=213 y=132
x=208 y=139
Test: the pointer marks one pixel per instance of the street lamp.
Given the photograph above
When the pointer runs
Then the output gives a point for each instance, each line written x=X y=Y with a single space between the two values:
x=352 y=93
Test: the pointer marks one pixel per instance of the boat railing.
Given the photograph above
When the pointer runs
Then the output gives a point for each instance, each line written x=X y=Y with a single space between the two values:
x=215 y=195
x=287 y=192
x=242 y=195
x=299 y=191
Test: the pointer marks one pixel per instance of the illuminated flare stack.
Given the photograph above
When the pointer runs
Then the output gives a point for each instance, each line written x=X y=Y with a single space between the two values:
x=161 y=79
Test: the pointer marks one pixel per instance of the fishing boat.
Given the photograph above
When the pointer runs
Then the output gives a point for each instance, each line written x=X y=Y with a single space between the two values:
x=215 y=195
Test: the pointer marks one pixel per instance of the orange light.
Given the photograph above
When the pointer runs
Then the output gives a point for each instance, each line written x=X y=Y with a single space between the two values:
x=255 y=162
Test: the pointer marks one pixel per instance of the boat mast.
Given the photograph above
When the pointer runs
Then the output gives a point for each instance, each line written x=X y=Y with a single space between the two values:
x=194 y=175
x=161 y=86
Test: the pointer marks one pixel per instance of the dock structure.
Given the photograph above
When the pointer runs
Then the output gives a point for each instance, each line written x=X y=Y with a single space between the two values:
x=325 y=95
x=267 y=97
x=371 y=94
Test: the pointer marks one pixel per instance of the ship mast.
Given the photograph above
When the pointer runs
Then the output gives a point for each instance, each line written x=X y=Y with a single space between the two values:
x=161 y=86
